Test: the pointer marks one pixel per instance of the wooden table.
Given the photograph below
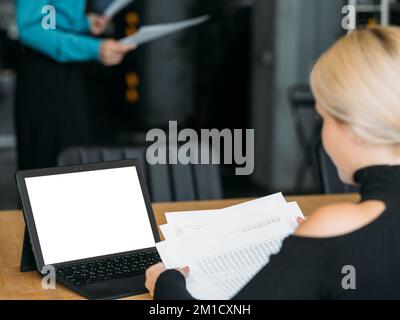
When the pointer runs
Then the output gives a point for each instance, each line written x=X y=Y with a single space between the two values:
x=17 y=285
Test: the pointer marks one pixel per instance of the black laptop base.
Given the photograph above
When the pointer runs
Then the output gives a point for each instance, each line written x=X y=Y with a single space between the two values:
x=112 y=289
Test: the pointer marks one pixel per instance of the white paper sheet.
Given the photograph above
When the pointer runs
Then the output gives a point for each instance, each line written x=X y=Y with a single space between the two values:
x=115 y=7
x=234 y=224
x=189 y=222
x=199 y=216
x=167 y=231
x=225 y=248
x=219 y=269
x=150 y=33
x=240 y=223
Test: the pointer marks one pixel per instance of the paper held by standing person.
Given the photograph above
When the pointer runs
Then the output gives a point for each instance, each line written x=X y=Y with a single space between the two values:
x=151 y=33
x=225 y=248
x=115 y=7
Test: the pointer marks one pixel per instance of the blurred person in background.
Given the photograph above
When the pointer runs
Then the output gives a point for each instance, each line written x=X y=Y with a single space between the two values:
x=51 y=97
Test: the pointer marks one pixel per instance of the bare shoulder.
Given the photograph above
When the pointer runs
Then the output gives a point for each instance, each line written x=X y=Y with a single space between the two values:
x=339 y=219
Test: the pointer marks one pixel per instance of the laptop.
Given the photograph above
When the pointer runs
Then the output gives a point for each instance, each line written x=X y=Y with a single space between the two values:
x=94 y=224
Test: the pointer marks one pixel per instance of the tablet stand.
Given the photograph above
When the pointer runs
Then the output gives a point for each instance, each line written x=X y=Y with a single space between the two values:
x=28 y=262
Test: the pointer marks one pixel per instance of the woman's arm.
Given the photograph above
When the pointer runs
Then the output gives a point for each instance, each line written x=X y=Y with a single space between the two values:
x=299 y=271
x=61 y=45
x=171 y=285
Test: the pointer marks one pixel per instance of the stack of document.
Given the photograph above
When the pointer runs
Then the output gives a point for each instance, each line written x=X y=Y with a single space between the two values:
x=226 y=248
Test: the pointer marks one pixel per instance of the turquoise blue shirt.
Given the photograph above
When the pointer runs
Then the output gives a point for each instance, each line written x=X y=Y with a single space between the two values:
x=69 y=42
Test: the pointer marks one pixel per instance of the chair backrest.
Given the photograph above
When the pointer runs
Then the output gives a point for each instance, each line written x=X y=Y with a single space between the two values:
x=166 y=182
x=330 y=180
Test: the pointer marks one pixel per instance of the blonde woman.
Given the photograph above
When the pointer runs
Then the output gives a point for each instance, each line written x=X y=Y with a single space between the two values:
x=357 y=87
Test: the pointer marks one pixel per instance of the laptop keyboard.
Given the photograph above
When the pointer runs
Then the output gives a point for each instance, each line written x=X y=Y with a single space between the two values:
x=108 y=269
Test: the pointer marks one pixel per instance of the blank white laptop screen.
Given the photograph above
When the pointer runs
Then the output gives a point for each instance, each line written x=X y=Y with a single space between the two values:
x=89 y=214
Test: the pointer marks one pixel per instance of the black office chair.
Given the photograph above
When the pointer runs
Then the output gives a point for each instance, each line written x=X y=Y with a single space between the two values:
x=301 y=100
x=329 y=176
x=166 y=183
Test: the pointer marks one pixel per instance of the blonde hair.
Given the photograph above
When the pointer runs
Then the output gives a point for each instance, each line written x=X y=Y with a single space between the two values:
x=357 y=81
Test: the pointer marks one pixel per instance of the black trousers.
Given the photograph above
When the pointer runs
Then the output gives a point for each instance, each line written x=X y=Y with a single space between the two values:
x=52 y=111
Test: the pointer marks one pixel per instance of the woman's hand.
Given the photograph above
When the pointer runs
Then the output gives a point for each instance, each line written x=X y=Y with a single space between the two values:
x=98 y=23
x=112 y=52
x=154 y=272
